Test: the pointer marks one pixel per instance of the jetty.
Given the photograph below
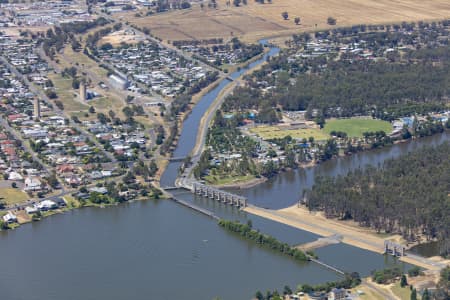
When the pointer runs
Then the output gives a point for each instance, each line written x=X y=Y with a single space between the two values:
x=334 y=269
x=196 y=208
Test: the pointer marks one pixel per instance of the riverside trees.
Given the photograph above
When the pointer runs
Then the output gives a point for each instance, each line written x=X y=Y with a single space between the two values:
x=408 y=195
x=246 y=231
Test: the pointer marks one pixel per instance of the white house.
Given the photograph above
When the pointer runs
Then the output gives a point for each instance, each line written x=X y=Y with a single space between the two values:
x=47 y=204
x=32 y=184
x=15 y=176
x=10 y=217
x=337 y=294
x=31 y=209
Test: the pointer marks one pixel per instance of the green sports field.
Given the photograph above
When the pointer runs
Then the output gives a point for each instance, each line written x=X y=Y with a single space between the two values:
x=273 y=132
x=355 y=127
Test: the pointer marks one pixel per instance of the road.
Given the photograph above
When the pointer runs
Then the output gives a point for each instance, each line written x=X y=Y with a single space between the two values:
x=187 y=56
x=386 y=295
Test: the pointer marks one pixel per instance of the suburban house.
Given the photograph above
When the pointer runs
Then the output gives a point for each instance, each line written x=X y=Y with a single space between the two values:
x=32 y=184
x=47 y=205
x=337 y=294
x=31 y=210
x=10 y=217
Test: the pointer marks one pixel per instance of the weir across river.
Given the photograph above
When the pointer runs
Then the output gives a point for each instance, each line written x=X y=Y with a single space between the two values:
x=219 y=195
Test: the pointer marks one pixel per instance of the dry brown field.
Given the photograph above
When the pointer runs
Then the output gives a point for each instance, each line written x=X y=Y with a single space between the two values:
x=118 y=37
x=253 y=21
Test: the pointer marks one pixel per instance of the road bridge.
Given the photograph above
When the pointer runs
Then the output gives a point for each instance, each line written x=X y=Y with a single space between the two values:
x=178 y=158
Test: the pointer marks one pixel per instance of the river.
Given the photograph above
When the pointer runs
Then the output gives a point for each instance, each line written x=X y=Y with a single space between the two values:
x=161 y=250
x=286 y=188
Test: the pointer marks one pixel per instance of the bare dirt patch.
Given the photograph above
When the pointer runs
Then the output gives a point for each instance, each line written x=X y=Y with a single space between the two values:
x=122 y=36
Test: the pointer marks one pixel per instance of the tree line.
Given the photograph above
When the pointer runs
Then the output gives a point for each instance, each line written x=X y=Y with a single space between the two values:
x=407 y=195
x=265 y=240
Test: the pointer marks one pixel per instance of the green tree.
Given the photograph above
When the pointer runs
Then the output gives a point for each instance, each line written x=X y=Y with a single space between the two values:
x=285 y=15
x=297 y=20
x=259 y=295
x=75 y=83
x=413 y=295
x=403 y=281
x=414 y=271
x=52 y=180
x=287 y=290
x=3 y=225
x=331 y=21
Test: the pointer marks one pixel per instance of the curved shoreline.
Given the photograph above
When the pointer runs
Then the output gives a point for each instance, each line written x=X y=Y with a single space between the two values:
x=352 y=234
x=312 y=164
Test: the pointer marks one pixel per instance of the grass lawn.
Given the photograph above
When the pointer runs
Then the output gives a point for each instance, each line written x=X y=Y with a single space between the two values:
x=402 y=293
x=368 y=294
x=228 y=179
x=71 y=201
x=107 y=103
x=82 y=116
x=13 y=196
x=65 y=93
x=270 y=132
x=355 y=127
x=144 y=121
x=84 y=61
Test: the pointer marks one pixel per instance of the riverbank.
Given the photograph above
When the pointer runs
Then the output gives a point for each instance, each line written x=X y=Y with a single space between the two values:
x=351 y=233
x=314 y=163
x=70 y=204
x=212 y=108
x=242 y=183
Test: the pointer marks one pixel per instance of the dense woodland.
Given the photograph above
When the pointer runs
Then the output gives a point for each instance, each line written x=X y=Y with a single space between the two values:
x=362 y=88
x=385 y=90
x=408 y=195
x=56 y=39
x=413 y=80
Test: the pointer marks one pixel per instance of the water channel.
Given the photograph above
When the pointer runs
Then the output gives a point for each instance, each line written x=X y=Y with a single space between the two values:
x=161 y=250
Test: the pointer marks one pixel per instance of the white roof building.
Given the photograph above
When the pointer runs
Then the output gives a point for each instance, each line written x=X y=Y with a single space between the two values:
x=32 y=184
x=47 y=204
x=15 y=176
x=31 y=209
x=10 y=217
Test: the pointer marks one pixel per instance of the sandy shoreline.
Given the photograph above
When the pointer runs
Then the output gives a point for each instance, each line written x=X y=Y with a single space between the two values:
x=351 y=233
